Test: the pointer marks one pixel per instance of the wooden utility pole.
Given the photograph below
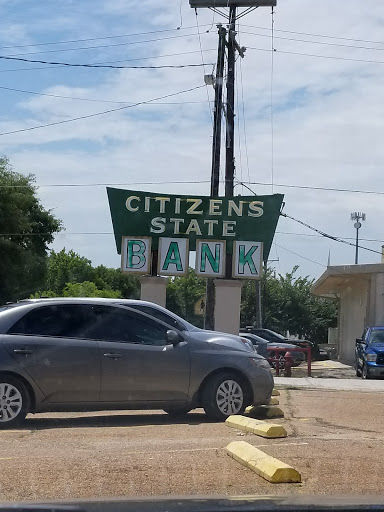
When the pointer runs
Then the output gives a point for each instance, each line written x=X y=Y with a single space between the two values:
x=230 y=111
x=216 y=153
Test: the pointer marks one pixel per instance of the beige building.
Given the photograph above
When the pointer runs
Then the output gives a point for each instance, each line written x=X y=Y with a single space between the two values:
x=360 y=290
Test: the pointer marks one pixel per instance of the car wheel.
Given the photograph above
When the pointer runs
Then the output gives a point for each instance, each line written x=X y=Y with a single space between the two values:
x=365 y=373
x=223 y=395
x=177 y=412
x=358 y=369
x=14 y=402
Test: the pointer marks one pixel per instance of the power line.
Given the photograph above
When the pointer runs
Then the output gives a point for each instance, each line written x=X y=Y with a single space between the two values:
x=109 y=66
x=328 y=189
x=128 y=43
x=300 y=255
x=320 y=236
x=75 y=185
x=322 y=233
x=326 y=235
x=94 y=99
x=97 y=38
x=110 y=62
x=317 y=56
x=326 y=43
x=317 y=35
x=100 y=113
x=203 y=63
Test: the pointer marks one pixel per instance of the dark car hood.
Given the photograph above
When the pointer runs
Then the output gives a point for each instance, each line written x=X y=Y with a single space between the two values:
x=223 y=339
x=377 y=347
x=280 y=345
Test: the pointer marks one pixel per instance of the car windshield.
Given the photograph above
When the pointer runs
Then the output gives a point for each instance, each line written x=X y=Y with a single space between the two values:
x=377 y=336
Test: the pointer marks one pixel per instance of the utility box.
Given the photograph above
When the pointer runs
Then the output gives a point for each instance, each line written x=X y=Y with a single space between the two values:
x=229 y=3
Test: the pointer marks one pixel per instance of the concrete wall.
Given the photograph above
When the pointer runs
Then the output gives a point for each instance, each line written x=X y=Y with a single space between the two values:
x=352 y=317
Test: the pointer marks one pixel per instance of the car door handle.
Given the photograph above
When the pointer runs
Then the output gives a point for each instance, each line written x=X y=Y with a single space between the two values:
x=24 y=351
x=112 y=355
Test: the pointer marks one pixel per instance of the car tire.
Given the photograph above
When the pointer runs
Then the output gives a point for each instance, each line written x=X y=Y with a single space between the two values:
x=224 y=394
x=14 y=402
x=177 y=412
x=358 y=370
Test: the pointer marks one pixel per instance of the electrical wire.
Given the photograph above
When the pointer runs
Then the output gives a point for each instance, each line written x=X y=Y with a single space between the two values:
x=203 y=63
x=271 y=98
x=326 y=235
x=108 y=66
x=316 y=35
x=94 y=99
x=88 y=116
x=320 y=236
x=322 y=233
x=128 y=43
x=75 y=185
x=326 y=43
x=300 y=256
x=243 y=110
x=327 y=189
x=333 y=57
x=113 y=61
x=70 y=41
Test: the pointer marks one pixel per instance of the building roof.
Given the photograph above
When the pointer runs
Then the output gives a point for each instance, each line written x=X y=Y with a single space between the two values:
x=336 y=278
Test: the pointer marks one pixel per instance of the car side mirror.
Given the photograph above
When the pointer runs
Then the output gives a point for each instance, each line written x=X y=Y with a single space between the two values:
x=360 y=341
x=173 y=337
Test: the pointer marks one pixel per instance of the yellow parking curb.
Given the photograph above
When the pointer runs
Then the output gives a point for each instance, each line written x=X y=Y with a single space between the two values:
x=274 y=401
x=260 y=428
x=268 y=467
x=263 y=412
x=275 y=392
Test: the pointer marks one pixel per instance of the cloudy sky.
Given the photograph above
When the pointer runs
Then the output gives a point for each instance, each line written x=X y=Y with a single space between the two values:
x=327 y=103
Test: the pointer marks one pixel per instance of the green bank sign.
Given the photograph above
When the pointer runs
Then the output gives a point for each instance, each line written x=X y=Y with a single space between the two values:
x=199 y=220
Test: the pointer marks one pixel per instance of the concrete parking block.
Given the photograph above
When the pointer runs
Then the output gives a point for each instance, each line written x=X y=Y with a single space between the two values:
x=257 y=427
x=264 y=412
x=275 y=392
x=274 y=401
x=268 y=467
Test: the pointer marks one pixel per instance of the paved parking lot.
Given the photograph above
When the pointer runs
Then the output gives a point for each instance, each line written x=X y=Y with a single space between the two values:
x=335 y=441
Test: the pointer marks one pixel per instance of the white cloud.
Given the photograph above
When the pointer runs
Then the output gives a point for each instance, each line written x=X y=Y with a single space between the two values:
x=328 y=123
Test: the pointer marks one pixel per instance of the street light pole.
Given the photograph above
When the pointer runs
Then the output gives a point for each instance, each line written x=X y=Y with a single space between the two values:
x=357 y=216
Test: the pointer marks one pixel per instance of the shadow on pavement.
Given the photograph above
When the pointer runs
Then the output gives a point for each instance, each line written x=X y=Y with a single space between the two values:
x=112 y=420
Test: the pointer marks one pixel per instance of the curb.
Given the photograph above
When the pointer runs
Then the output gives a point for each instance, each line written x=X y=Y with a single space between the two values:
x=259 y=428
x=268 y=467
x=264 y=412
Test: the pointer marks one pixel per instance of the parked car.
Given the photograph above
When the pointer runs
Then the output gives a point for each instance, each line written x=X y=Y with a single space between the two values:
x=98 y=354
x=369 y=353
x=263 y=347
x=279 y=338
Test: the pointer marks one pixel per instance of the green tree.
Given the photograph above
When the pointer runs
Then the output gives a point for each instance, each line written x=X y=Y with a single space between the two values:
x=26 y=230
x=89 y=289
x=66 y=267
x=114 y=279
x=182 y=295
x=288 y=305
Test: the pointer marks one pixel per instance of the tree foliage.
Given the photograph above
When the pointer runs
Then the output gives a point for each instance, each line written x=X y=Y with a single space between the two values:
x=26 y=229
x=288 y=305
x=182 y=295
x=72 y=275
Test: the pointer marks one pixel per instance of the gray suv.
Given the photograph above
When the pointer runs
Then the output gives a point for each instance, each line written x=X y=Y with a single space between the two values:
x=99 y=354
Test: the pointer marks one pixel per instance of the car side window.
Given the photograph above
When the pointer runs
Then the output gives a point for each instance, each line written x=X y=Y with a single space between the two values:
x=64 y=321
x=115 y=324
x=160 y=315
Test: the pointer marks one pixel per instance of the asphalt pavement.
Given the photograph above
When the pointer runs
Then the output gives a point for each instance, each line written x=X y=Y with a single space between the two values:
x=334 y=441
